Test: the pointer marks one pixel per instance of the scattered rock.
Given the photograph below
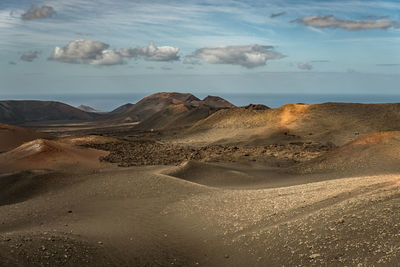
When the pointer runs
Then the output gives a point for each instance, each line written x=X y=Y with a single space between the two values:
x=314 y=256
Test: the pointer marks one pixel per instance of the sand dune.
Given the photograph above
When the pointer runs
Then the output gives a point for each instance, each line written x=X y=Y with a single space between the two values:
x=330 y=122
x=239 y=175
x=138 y=217
x=53 y=155
x=13 y=136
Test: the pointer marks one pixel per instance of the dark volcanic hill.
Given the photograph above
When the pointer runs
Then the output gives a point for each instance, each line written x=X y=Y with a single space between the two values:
x=121 y=109
x=27 y=111
x=217 y=102
x=169 y=110
x=151 y=105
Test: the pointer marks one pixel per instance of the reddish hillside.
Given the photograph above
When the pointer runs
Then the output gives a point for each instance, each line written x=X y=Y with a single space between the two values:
x=46 y=154
x=13 y=136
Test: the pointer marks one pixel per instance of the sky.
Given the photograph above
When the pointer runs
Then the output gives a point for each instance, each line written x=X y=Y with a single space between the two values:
x=207 y=47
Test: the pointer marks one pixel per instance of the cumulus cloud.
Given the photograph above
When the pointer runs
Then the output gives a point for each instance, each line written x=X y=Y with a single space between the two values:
x=304 y=66
x=274 y=15
x=86 y=52
x=152 y=52
x=352 y=25
x=97 y=53
x=108 y=57
x=29 y=57
x=38 y=13
x=248 y=56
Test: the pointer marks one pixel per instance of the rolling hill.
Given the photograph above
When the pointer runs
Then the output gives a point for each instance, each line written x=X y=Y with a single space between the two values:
x=45 y=154
x=337 y=123
x=13 y=136
x=372 y=153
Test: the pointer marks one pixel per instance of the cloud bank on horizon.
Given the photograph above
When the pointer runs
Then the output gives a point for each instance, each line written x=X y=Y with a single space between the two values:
x=200 y=37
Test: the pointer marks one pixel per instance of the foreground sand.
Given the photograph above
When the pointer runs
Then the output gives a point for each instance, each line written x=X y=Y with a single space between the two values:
x=139 y=216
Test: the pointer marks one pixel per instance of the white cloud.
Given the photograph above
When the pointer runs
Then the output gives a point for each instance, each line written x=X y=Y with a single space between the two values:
x=249 y=56
x=97 y=53
x=152 y=52
x=38 y=13
x=108 y=57
x=86 y=52
x=352 y=25
x=304 y=66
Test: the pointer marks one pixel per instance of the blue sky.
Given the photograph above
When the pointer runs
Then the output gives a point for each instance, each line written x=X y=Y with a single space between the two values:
x=206 y=47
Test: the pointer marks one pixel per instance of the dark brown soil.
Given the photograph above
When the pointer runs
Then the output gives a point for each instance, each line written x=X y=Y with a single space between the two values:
x=150 y=152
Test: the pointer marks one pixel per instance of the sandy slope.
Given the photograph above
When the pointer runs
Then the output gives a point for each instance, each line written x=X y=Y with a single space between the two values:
x=137 y=217
x=13 y=136
x=373 y=153
x=338 y=123
x=53 y=155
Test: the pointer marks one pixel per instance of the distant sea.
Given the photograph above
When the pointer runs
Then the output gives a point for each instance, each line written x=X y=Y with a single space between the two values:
x=108 y=102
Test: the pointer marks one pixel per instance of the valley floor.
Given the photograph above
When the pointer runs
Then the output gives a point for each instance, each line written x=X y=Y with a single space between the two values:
x=144 y=216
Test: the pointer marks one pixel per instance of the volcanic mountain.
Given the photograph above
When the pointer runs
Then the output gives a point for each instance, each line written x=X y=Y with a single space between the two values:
x=170 y=110
x=12 y=111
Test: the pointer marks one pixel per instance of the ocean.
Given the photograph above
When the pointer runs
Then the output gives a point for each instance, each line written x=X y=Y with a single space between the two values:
x=108 y=102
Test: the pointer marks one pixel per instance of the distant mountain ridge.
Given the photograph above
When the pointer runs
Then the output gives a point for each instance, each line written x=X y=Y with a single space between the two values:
x=19 y=111
x=180 y=108
x=89 y=109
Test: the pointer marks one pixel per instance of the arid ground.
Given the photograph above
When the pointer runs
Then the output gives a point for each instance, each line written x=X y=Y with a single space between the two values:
x=174 y=180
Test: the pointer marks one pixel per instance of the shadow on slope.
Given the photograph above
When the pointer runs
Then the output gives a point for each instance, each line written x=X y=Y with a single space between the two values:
x=374 y=153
